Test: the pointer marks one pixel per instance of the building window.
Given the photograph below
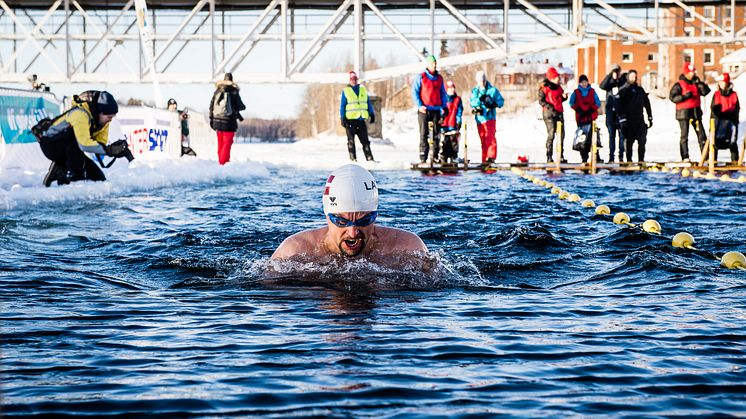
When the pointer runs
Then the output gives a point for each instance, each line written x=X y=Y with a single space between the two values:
x=688 y=55
x=707 y=30
x=627 y=57
x=689 y=31
x=709 y=12
x=709 y=57
x=688 y=17
x=652 y=57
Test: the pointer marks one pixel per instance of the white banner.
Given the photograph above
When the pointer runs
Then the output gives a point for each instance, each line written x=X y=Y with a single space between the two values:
x=150 y=132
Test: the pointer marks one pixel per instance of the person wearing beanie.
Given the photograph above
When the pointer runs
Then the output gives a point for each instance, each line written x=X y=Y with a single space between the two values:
x=585 y=102
x=84 y=128
x=452 y=124
x=350 y=201
x=687 y=93
x=430 y=97
x=632 y=100
x=225 y=108
x=354 y=109
x=485 y=99
x=725 y=108
x=611 y=85
x=551 y=96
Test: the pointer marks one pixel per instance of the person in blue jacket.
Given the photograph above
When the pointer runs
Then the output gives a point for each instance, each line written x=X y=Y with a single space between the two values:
x=430 y=97
x=485 y=99
x=354 y=109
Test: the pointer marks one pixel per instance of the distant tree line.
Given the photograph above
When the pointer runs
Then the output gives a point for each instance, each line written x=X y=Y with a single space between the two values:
x=267 y=130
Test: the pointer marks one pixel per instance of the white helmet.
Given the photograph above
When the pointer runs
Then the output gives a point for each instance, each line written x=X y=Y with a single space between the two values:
x=350 y=188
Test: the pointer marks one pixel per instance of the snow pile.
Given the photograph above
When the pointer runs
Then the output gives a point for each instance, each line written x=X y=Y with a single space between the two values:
x=22 y=187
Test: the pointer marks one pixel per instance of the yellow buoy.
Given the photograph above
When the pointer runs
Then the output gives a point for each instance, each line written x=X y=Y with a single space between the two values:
x=733 y=260
x=563 y=195
x=603 y=210
x=543 y=183
x=573 y=197
x=588 y=203
x=742 y=179
x=664 y=169
x=696 y=174
x=651 y=226
x=556 y=190
x=549 y=185
x=685 y=172
x=536 y=180
x=726 y=177
x=684 y=240
x=621 y=218
x=654 y=169
x=710 y=176
x=675 y=170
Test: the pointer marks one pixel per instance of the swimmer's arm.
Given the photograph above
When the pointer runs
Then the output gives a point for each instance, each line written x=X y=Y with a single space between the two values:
x=410 y=242
x=290 y=247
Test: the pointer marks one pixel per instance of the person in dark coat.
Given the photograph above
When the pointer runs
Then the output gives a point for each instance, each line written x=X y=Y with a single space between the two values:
x=724 y=109
x=687 y=94
x=632 y=100
x=611 y=84
x=551 y=97
x=225 y=108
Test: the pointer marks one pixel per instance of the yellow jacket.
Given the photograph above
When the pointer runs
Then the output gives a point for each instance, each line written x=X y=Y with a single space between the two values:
x=80 y=121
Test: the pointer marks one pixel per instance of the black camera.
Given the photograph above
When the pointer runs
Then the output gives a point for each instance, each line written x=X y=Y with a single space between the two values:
x=119 y=148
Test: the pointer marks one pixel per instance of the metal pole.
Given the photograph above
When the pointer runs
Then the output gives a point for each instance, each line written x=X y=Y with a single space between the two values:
x=292 y=31
x=222 y=32
x=212 y=37
x=67 y=40
x=506 y=9
x=284 y=46
x=733 y=19
x=432 y=27
x=657 y=20
x=358 y=59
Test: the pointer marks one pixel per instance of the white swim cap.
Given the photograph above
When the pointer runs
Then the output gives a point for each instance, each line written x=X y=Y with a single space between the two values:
x=350 y=188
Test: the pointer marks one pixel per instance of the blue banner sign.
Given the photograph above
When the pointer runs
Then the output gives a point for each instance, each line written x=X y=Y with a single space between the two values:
x=19 y=113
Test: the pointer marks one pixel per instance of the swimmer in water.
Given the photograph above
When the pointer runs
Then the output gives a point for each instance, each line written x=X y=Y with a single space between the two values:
x=351 y=206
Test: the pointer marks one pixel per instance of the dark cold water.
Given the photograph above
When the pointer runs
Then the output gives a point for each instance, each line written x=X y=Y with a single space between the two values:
x=153 y=303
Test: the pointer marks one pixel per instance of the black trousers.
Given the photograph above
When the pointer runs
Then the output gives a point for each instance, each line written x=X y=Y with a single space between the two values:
x=636 y=131
x=551 y=123
x=66 y=153
x=424 y=119
x=358 y=127
x=684 y=139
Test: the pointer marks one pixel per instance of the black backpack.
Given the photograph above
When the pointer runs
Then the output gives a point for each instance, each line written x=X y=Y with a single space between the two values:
x=222 y=105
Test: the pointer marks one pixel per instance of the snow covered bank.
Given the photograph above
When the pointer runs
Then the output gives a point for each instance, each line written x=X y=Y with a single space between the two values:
x=19 y=188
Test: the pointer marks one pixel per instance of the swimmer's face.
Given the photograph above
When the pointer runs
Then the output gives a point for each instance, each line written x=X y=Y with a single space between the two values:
x=350 y=241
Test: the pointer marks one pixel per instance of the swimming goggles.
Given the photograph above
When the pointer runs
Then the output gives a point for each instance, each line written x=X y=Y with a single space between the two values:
x=361 y=222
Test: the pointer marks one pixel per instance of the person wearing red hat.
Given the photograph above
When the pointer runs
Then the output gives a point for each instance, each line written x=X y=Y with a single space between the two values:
x=687 y=94
x=451 y=124
x=354 y=109
x=724 y=109
x=551 y=96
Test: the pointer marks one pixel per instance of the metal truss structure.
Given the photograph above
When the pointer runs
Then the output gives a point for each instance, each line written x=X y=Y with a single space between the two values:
x=283 y=41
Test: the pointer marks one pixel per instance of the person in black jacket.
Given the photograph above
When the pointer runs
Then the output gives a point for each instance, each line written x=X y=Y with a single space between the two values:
x=224 y=115
x=687 y=94
x=632 y=100
x=611 y=84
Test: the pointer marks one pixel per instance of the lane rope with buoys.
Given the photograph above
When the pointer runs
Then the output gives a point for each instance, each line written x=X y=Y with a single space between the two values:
x=683 y=240
x=696 y=174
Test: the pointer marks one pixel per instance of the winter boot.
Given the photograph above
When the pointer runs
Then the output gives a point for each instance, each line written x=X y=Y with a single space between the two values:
x=56 y=172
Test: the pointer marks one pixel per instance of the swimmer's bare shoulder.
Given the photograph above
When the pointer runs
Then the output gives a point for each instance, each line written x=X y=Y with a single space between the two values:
x=397 y=240
x=302 y=243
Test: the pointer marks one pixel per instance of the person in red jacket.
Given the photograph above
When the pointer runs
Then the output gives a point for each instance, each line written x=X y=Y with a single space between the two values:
x=724 y=110
x=430 y=97
x=585 y=102
x=687 y=94
x=551 y=97
x=451 y=124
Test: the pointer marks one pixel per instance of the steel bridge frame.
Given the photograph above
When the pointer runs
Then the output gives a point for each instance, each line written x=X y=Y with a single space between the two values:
x=275 y=23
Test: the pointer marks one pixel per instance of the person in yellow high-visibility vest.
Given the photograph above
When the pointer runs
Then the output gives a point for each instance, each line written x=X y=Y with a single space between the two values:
x=354 y=109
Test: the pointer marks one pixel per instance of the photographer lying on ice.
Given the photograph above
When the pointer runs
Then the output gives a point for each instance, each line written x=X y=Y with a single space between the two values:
x=83 y=128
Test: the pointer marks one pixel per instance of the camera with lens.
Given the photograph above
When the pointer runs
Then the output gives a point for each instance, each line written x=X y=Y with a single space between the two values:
x=119 y=148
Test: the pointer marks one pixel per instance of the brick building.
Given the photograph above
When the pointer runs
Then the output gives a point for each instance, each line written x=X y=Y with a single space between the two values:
x=659 y=65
